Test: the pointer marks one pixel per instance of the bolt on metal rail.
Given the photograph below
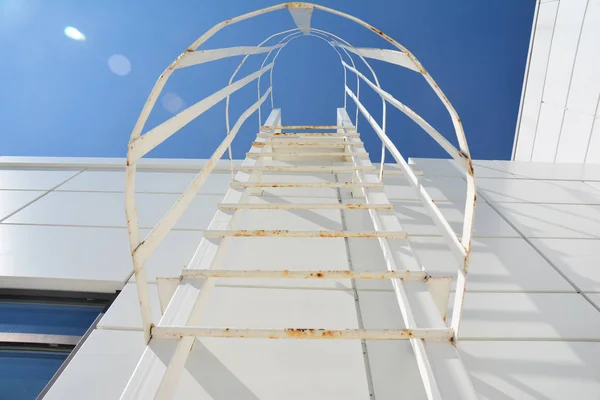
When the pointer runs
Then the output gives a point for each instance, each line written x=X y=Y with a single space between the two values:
x=275 y=150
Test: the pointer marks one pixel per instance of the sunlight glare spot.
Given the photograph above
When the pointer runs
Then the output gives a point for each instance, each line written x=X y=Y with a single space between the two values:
x=74 y=33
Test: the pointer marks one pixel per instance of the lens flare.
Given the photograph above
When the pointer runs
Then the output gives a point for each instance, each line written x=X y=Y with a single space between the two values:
x=119 y=64
x=74 y=33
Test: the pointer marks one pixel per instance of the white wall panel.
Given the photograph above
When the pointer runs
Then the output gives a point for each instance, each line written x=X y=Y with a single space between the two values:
x=439 y=188
x=33 y=179
x=571 y=86
x=124 y=313
x=64 y=258
x=574 y=137
x=416 y=221
x=274 y=369
x=547 y=134
x=595 y=185
x=83 y=258
x=553 y=220
x=154 y=182
x=11 y=201
x=172 y=254
x=552 y=171
x=296 y=178
x=308 y=220
x=489 y=169
x=436 y=167
x=585 y=86
x=593 y=153
x=564 y=48
x=537 y=191
x=529 y=316
x=280 y=253
x=528 y=370
x=496 y=264
x=108 y=210
x=101 y=368
x=576 y=258
x=538 y=63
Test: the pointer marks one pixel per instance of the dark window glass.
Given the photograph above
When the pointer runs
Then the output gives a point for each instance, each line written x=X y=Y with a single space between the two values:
x=47 y=318
x=23 y=374
x=38 y=331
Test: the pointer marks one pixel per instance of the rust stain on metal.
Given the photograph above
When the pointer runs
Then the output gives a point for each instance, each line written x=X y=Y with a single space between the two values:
x=380 y=33
x=355 y=206
x=310 y=332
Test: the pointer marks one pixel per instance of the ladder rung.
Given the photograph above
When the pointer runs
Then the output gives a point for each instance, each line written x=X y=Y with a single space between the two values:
x=339 y=274
x=214 y=234
x=303 y=127
x=294 y=135
x=175 y=332
x=338 y=154
x=302 y=206
x=290 y=143
x=243 y=185
x=308 y=168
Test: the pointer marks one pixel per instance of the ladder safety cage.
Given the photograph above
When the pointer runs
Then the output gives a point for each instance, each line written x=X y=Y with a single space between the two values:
x=182 y=314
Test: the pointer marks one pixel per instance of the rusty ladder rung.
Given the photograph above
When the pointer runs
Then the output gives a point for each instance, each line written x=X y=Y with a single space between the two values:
x=295 y=135
x=244 y=185
x=336 y=154
x=290 y=143
x=306 y=127
x=176 y=332
x=303 y=206
x=216 y=234
x=308 y=168
x=407 y=275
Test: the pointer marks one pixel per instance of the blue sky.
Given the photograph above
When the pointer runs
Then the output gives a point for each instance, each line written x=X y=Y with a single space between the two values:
x=62 y=97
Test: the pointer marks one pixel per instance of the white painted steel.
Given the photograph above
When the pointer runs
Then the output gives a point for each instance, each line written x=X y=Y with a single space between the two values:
x=289 y=274
x=143 y=251
x=302 y=127
x=390 y=56
x=435 y=135
x=303 y=206
x=305 y=134
x=290 y=143
x=303 y=333
x=301 y=155
x=242 y=185
x=203 y=56
x=142 y=145
x=308 y=168
x=302 y=16
x=213 y=234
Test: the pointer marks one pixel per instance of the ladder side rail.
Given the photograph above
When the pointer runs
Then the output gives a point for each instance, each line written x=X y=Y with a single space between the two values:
x=145 y=248
x=464 y=161
x=151 y=378
x=424 y=365
x=455 y=245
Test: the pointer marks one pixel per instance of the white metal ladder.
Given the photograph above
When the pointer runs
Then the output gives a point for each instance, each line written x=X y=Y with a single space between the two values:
x=334 y=149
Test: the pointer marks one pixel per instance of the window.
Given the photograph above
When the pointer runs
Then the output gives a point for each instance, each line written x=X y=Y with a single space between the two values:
x=38 y=332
